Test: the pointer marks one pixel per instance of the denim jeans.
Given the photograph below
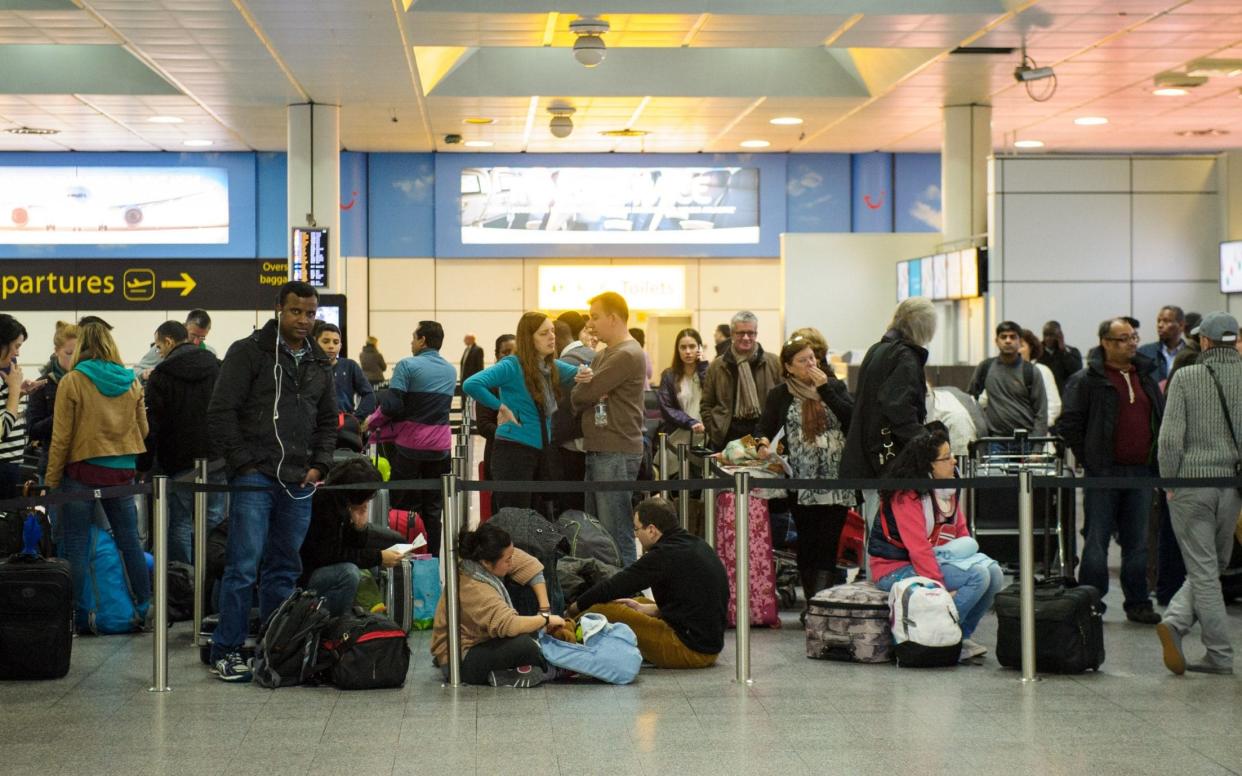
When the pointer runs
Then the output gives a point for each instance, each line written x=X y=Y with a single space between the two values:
x=1123 y=511
x=976 y=588
x=181 y=517
x=338 y=584
x=614 y=508
x=77 y=517
x=266 y=529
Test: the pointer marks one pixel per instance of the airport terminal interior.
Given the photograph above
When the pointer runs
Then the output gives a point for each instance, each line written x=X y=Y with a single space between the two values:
x=864 y=241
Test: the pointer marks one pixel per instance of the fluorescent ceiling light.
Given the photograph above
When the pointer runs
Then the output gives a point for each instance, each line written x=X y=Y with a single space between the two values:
x=786 y=121
x=1169 y=91
x=165 y=119
x=198 y=143
x=478 y=144
x=1028 y=144
x=478 y=121
x=755 y=144
x=1090 y=121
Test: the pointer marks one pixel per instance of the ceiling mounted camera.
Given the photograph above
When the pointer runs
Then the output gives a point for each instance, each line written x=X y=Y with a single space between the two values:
x=452 y=139
x=589 y=48
x=562 y=123
x=1028 y=72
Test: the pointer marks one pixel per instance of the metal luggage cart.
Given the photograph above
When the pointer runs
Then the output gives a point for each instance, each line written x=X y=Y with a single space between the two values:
x=993 y=514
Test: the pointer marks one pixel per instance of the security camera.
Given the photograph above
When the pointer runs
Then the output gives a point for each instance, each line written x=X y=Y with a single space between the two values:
x=1024 y=74
x=452 y=139
x=561 y=124
x=589 y=48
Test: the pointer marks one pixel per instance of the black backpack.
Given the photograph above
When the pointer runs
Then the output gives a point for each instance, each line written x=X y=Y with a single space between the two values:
x=1028 y=376
x=288 y=651
x=366 y=652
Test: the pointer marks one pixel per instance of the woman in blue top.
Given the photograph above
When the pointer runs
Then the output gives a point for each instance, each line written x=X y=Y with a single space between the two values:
x=528 y=397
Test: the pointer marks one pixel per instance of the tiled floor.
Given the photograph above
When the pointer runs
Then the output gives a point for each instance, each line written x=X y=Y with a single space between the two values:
x=800 y=716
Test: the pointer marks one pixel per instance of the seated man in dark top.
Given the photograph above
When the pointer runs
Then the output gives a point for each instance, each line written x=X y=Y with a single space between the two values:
x=684 y=627
x=340 y=543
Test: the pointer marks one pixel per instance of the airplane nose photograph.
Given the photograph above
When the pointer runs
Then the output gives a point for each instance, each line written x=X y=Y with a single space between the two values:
x=791 y=387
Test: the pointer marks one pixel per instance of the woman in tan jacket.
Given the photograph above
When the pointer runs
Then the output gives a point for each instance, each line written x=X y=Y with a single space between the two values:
x=499 y=646
x=97 y=434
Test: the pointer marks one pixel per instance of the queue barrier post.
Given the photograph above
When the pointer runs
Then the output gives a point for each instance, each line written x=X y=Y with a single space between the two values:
x=159 y=548
x=200 y=547
x=662 y=458
x=741 y=531
x=381 y=502
x=1026 y=571
x=452 y=600
x=709 y=506
x=683 y=497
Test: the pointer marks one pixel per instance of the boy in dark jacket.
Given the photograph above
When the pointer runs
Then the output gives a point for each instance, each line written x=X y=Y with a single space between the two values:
x=339 y=543
x=684 y=627
x=273 y=418
x=178 y=393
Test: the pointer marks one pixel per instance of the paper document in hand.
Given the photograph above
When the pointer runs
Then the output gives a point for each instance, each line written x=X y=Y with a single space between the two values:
x=408 y=549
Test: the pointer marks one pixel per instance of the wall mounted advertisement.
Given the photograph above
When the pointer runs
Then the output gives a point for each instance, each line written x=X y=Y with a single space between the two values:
x=609 y=205
x=963 y=275
x=1231 y=267
x=567 y=287
x=114 y=205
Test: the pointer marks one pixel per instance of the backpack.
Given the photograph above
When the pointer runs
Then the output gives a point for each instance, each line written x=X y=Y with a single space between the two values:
x=288 y=651
x=926 y=630
x=533 y=534
x=608 y=652
x=1028 y=376
x=588 y=538
x=104 y=604
x=365 y=653
x=180 y=591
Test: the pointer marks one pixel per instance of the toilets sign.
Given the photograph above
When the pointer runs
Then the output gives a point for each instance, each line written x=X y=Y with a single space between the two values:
x=104 y=284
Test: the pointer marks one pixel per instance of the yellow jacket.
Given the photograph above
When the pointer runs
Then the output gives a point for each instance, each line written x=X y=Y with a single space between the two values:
x=87 y=424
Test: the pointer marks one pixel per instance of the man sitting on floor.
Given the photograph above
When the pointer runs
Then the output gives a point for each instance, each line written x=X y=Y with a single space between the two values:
x=684 y=627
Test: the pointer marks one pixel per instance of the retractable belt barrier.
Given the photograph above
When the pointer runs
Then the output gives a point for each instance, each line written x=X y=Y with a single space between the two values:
x=742 y=483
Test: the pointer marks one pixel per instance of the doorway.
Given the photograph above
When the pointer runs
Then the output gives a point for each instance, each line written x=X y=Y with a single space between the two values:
x=665 y=329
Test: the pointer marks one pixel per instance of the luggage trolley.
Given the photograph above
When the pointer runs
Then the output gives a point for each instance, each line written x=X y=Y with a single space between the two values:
x=993 y=514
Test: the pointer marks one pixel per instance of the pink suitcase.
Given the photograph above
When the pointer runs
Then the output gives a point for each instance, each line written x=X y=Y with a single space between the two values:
x=764 y=607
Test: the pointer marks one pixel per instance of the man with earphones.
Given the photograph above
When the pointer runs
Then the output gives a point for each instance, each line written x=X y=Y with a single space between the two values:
x=273 y=418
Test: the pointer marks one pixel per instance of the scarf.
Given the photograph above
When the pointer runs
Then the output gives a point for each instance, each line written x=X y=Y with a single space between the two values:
x=814 y=413
x=52 y=370
x=475 y=570
x=746 y=401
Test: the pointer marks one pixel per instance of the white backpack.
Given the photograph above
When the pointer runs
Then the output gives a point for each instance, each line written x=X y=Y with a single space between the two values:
x=925 y=623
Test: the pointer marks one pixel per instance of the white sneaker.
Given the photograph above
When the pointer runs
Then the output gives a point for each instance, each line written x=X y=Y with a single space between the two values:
x=972 y=649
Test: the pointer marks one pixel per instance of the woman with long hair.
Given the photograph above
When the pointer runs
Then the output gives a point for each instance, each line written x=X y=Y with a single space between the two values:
x=813 y=409
x=531 y=383
x=97 y=435
x=681 y=389
x=13 y=403
x=43 y=400
x=922 y=532
x=372 y=362
x=499 y=645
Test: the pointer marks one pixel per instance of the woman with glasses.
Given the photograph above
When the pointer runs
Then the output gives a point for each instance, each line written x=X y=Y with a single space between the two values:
x=811 y=412
x=922 y=532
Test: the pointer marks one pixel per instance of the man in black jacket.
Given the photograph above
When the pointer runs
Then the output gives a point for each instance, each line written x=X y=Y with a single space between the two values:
x=1063 y=360
x=340 y=543
x=684 y=627
x=178 y=392
x=1111 y=420
x=273 y=418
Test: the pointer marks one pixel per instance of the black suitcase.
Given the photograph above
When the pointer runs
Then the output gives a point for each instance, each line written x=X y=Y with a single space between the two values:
x=1069 y=627
x=36 y=617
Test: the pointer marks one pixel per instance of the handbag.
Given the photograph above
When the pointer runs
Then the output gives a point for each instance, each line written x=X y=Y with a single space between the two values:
x=1233 y=437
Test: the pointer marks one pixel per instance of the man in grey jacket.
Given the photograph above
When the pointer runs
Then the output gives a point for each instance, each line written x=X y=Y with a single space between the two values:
x=1197 y=439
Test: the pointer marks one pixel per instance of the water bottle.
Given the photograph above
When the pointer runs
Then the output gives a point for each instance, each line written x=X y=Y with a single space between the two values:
x=601 y=413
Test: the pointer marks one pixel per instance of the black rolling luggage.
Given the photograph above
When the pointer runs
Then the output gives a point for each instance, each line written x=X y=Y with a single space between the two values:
x=1069 y=627
x=36 y=617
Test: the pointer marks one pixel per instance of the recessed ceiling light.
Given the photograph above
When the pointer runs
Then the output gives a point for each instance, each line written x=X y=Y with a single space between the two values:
x=1028 y=144
x=1090 y=121
x=165 y=119
x=478 y=144
x=198 y=143
x=478 y=121
x=786 y=121
x=754 y=144
x=1169 y=91
x=31 y=131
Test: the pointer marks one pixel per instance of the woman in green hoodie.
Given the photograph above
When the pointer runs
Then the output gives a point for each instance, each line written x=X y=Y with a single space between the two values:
x=97 y=434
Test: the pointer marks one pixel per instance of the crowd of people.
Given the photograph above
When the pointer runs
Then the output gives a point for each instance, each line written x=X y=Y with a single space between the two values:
x=566 y=399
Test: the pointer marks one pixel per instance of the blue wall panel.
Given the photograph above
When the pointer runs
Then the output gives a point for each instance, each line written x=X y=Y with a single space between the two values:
x=872 y=192
x=401 y=195
x=917 y=193
x=817 y=193
x=273 y=212
x=353 y=204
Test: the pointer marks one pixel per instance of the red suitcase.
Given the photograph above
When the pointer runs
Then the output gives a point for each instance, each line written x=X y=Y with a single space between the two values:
x=764 y=606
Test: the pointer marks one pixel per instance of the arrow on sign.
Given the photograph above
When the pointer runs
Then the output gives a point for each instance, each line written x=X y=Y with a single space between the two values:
x=186 y=284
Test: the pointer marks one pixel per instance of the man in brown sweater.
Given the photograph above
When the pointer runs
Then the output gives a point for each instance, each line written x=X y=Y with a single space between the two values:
x=610 y=397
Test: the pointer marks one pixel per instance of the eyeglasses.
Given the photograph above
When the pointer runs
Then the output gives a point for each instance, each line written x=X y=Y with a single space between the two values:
x=745 y=334
x=1130 y=338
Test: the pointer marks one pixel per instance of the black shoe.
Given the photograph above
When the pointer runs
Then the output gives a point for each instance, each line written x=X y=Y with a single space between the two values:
x=1143 y=614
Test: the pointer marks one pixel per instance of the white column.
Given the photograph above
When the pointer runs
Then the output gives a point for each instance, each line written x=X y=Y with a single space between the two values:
x=314 y=179
x=964 y=156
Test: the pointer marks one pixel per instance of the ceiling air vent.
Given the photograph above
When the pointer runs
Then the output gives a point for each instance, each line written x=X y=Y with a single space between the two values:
x=1202 y=132
x=1003 y=51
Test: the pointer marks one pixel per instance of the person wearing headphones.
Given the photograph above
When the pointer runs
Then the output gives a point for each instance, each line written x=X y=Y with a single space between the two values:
x=273 y=417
